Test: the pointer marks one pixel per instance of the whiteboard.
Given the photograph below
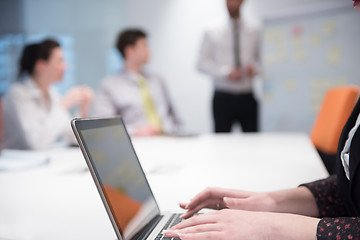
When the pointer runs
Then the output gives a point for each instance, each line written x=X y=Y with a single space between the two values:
x=303 y=55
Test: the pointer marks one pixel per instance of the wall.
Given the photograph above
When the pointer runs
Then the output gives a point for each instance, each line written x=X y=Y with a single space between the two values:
x=92 y=24
x=11 y=16
x=11 y=40
x=303 y=56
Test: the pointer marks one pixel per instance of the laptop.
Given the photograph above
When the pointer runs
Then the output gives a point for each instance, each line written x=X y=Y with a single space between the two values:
x=120 y=179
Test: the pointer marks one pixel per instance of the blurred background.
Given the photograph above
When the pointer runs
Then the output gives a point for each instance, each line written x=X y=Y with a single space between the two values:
x=307 y=47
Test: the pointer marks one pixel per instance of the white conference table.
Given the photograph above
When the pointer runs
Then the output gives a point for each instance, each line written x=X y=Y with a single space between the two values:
x=59 y=200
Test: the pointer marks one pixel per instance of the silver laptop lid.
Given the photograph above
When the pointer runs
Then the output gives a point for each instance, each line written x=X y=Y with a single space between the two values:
x=117 y=174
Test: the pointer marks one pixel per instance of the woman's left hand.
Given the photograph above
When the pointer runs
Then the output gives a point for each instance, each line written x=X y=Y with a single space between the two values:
x=223 y=224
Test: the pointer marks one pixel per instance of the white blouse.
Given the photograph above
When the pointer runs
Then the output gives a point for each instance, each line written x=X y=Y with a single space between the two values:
x=32 y=122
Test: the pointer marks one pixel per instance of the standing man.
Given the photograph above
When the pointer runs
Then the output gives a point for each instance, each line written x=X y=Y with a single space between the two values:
x=139 y=97
x=230 y=56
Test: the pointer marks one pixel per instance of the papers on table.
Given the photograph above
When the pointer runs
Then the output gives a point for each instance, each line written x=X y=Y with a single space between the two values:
x=21 y=159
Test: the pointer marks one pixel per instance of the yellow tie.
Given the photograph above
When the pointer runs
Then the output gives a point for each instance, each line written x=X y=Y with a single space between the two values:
x=149 y=105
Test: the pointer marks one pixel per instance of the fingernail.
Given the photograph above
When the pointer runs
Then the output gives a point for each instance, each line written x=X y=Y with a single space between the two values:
x=227 y=201
x=170 y=232
x=186 y=205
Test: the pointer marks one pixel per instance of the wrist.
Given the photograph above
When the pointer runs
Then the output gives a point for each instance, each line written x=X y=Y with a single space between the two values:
x=292 y=227
x=277 y=201
x=64 y=104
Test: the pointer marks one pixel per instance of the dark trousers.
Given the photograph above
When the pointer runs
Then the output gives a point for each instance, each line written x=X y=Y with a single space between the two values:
x=230 y=108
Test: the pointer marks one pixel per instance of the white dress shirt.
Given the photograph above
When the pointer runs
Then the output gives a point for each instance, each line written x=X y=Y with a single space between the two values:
x=32 y=122
x=217 y=55
x=120 y=95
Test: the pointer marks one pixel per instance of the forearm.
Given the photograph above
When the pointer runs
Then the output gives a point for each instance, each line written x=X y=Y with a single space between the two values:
x=297 y=201
x=207 y=60
x=217 y=71
x=293 y=227
x=328 y=197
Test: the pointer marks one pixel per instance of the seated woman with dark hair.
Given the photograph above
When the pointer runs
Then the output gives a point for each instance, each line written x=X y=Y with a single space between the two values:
x=34 y=115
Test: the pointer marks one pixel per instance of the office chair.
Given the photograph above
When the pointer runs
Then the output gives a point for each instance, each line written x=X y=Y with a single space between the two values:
x=333 y=114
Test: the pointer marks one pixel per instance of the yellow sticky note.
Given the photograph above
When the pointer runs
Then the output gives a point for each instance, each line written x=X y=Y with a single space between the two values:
x=268 y=97
x=329 y=27
x=282 y=56
x=269 y=59
x=315 y=40
x=297 y=41
x=334 y=55
x=342 y=81
x=300 y=55
x=290 y=85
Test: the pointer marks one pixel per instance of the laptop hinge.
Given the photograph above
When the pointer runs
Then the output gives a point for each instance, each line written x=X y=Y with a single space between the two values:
x=145 y=231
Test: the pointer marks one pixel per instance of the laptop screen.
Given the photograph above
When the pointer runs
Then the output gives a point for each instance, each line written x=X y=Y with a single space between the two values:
x=119 y=174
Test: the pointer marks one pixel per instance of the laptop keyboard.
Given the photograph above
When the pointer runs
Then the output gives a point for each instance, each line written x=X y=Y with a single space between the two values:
x=173 y=220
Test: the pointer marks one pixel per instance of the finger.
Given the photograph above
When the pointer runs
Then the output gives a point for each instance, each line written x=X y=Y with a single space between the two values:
x=234 y=203
x=210 y=198
x=208 y=227
x=206 y=218
x=239 y=203
x=172 y=233
x=189 y=213
x=194 y=229
x=216 y=204
x=209 y=193
x=198 y=199
x=183 y=205
x=213 y=235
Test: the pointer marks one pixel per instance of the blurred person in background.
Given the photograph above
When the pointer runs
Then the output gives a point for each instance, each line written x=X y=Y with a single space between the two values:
x=229 y=55
x=141 y=98
x=35 y=116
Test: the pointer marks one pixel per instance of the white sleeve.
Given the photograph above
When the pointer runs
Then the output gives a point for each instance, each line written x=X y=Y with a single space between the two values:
x=206 y=61
x=103 y=103
x=172 y=123
x=40 y=131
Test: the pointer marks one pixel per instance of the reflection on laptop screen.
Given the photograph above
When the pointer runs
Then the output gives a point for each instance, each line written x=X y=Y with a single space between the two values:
x=120 y=175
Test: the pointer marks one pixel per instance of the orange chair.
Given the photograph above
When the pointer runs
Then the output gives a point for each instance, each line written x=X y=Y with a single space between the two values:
x=334 y=112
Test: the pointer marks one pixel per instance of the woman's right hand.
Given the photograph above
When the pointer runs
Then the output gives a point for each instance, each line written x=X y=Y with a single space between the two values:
x=79 y=95
x=220 y=198
x=238 y=224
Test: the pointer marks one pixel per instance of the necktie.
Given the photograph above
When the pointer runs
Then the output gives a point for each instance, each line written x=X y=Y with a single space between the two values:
x=236 y=44
x=149 y=106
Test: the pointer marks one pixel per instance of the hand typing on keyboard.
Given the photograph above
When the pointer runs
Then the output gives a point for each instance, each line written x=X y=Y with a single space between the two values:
x=245 y=215
x=220 y=198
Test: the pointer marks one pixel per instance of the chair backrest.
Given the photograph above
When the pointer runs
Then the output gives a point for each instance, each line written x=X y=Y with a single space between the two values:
x=334 y=112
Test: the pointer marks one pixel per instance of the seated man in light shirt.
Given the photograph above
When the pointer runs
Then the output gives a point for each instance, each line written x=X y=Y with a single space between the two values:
x=139 y=97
